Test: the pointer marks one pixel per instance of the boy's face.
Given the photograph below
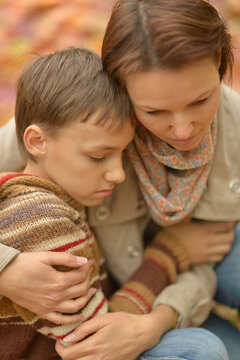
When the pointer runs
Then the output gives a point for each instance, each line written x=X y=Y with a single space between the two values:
x=86 y=159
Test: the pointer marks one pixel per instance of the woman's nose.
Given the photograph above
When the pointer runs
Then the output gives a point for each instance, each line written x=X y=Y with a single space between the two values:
x=182 y=128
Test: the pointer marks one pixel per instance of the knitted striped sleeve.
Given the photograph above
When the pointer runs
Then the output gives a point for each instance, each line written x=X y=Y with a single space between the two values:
x=163 y=258
x=34 y=218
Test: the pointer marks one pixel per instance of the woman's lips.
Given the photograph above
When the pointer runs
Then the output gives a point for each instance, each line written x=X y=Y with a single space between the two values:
x=184 y=141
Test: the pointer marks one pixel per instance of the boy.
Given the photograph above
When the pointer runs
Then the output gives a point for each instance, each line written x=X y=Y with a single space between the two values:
x=73 y=124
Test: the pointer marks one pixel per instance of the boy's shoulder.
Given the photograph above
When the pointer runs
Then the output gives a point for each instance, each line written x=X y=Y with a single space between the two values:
x=37 y=195
x=36 y=214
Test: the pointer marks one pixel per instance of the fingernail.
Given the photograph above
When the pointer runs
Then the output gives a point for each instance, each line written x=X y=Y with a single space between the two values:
x=70 y=337
x=81 y=260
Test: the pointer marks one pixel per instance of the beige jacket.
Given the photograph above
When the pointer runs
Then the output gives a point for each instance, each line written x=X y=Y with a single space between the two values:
x=120 y=221
x=221 y=199
x=119 y=224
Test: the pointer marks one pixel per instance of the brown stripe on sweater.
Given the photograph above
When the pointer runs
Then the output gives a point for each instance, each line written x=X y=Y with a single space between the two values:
x=163 y=248
x=152 y=276
x=164 y=262
x=24 y=343
x=177 y=248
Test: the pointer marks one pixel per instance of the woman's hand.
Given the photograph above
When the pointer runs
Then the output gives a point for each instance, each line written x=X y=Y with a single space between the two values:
x=31 y=281
x=117 y=336
x=205 y=241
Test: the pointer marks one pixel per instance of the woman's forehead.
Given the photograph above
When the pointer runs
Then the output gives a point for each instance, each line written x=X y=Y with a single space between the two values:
x=160 y=88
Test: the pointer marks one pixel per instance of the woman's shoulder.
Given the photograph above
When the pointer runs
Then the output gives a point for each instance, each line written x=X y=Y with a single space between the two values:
x=229 y=102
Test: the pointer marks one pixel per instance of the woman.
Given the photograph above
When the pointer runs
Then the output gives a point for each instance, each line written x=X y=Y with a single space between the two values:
x=126 y=34
x=171 y=56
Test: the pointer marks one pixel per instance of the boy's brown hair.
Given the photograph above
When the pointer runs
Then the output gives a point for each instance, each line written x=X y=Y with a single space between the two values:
x=68 y=85
x=146 y=34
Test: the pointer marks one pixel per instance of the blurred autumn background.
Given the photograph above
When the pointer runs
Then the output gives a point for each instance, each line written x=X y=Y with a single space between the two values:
x=43 y=26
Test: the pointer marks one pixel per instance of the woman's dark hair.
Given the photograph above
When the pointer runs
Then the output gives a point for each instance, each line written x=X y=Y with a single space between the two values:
x=146 y=34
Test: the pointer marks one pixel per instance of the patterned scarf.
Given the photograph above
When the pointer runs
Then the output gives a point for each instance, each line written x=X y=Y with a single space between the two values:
x=171 y=181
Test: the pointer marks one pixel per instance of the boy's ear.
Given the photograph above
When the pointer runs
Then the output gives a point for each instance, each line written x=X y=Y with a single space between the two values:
x=35 y=140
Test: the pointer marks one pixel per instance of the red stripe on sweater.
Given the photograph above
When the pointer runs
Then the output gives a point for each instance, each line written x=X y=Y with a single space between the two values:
x=98 y=308
x=66 y=247
x=10 y=176
x=59 y=337
x=139 y=296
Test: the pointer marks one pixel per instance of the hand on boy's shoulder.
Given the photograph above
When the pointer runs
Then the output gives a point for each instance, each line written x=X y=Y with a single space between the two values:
x=37 y=286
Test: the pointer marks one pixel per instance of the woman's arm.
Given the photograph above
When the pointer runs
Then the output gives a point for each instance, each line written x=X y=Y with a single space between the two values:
x=118 y=336
x=30 y=280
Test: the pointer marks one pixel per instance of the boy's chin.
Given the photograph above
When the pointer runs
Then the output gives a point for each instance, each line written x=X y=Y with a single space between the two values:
x=91 y=202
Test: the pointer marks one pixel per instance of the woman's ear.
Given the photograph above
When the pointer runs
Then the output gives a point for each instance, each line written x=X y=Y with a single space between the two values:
x=35 y=140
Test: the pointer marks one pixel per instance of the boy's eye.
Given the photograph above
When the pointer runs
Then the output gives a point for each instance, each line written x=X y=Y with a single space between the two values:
x=154 y=112
x=97 y=159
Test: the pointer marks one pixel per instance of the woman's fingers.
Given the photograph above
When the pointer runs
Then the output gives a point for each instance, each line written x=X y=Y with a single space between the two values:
x=113 y=336
x=60 y=319
x=74 y=305
x=85 y=329
x=68 y=279
x=205 y=241
x=223 y=238
x=70 y=353
x=80 y=333
x=218 y=227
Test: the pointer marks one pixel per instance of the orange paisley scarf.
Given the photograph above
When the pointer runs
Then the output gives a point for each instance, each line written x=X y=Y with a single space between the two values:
x=171 y=181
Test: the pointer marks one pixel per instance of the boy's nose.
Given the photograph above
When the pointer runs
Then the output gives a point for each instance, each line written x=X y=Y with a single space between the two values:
x=116 y=175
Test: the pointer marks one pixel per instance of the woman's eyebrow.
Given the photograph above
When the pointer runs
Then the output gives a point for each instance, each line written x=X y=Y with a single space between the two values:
x=151 y=108
x=208 y=92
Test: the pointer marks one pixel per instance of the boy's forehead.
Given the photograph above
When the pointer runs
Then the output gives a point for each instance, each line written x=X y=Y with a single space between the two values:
x=114 y=133
x=111 y=119
x=104 y=135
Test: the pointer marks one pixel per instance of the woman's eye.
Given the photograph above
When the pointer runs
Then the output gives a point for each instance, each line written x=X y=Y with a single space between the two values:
x=200 y=101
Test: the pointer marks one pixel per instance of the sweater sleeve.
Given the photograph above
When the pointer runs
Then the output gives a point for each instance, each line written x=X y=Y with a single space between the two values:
x=47 y=223
x=7 y=254
x=163 y=259
x=191 y=295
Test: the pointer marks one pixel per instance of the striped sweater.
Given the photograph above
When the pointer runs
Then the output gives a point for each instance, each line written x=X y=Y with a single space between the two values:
x=37 y=215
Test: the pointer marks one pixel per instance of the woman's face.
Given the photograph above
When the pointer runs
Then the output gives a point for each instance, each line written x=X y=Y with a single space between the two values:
x=178 y=105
